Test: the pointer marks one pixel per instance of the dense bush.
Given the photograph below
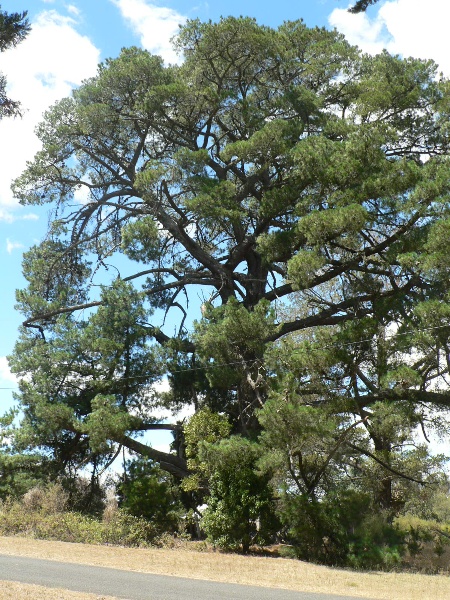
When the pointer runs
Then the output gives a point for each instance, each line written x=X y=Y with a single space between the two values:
x=241 y=509
x=144 y=490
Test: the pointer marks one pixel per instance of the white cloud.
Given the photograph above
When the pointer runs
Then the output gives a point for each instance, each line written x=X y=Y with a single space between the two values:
x=407 y=27
x=9 y=217
x=5 y=373
x=360 y=30
x=155 y=25
x=6 y=216
x=10 y=246
x=41 y=70
x=73 y=10
x=82 y=195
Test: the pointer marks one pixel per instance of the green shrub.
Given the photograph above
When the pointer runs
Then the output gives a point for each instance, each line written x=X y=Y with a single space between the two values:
x=148 y=492
x=343 y=529
x=241 y=510
x=376 y=544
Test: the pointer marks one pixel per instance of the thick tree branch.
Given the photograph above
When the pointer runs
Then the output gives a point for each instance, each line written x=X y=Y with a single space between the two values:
x=159 y=426
x=168 y=462
x=414 y=396
x=384 y=464
x=359 y=307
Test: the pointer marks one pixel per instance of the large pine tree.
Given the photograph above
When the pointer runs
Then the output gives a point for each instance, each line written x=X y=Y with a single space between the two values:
x=272 y=165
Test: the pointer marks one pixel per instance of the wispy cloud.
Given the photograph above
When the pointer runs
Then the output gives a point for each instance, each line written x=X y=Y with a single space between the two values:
x=7 y=216
x=10 y=246
x=73 y=10
x=155 y=25
x=5 y=373
x=406 y=27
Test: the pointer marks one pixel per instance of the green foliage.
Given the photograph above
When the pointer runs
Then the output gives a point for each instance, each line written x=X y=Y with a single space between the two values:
x=304 y=266
x=19 y=473
x=103 y=360
x=56 y=277
x=303 y=438
x=203 y=427
x=147 y=492
x=294 y=191
x=140 y=240
x=333 y=224
x=361 y=6
x=376 y=544
x=13 y=29
x=105 y=422
x=240 y=509
x=337 y=495
x=234 y=337
x=342 y=529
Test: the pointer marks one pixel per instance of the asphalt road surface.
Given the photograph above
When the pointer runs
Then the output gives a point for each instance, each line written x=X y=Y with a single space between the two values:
x=131 y=585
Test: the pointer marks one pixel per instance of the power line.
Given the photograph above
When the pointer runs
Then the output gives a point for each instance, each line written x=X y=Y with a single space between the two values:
x=387 y=338
x=255 y=361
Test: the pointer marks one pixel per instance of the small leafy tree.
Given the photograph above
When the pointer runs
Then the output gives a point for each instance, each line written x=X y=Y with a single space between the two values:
x=204 y=426
x=240 y=505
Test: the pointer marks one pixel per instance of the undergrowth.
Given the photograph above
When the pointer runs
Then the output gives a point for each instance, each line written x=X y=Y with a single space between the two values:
x=42 y=514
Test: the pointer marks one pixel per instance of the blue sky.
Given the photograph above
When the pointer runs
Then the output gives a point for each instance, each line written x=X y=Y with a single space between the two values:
x=70 y=37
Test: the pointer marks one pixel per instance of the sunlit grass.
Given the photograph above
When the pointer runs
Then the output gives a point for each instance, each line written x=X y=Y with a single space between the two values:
x=251 y=570
x=10 y=590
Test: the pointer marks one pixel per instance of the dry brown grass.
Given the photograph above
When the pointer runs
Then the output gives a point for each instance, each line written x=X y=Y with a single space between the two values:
x=264 y=571
x=10 y=590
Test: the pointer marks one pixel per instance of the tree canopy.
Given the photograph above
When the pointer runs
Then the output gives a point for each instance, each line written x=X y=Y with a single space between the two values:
x=290 y=191
x=13 y=29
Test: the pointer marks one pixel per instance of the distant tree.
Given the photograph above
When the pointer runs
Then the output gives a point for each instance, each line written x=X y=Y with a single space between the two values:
x=13 y=29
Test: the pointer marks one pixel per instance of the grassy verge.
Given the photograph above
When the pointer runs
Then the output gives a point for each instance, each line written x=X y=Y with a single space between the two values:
x=9 y=590
x=251 y=570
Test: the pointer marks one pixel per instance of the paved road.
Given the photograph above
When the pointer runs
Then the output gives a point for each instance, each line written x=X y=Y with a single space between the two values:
x=137 y=586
